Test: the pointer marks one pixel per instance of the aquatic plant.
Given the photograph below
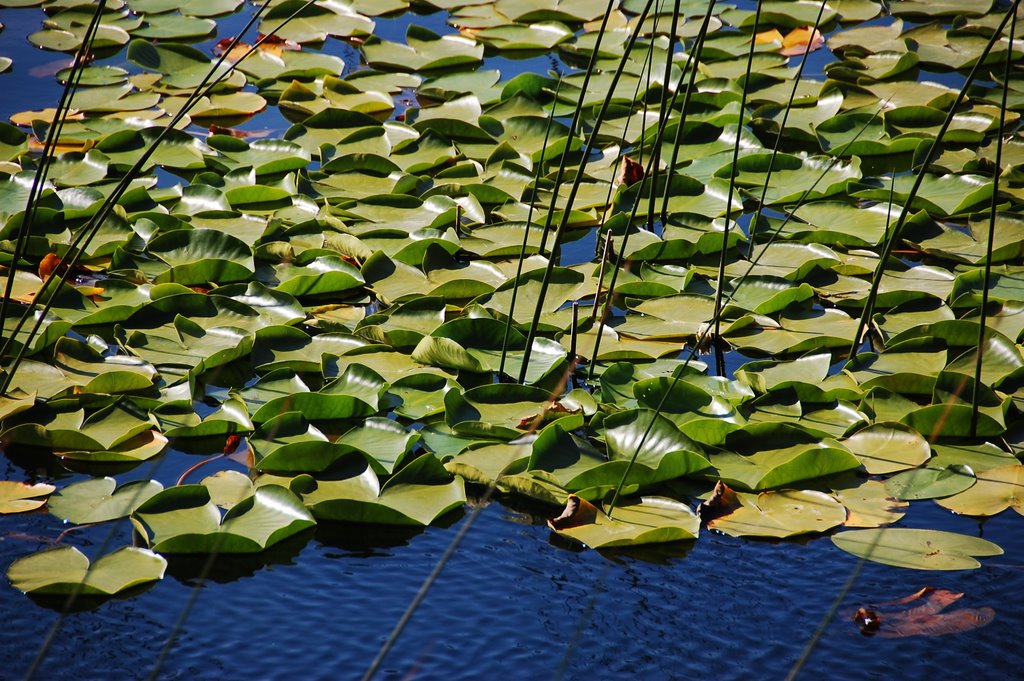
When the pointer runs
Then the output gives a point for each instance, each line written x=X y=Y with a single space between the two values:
x=393 y=297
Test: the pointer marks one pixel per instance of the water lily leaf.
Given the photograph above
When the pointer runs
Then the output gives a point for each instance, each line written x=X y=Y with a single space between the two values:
x=230 y=418
x=286 y=347
x=781 y=514
x=490 y=463
x=494 y=411
x=793 y=177
x=417 y=495
x=100 y=499
x=19 y=497
x=192 y=8
x=699 y=414
x=979 y=457
x=96 y=373
x=289 y=443
x=421 y=395
x=177 y=149
x=906 y=369
x=183 y=519
x=930 y=483
x=425 y=51
x=997 y=489
x=228 y=488
x=200 y=256
x=637 y=521
x=313 y=23
x=869 y=504
x=385 y=443
x=13 y=142
x=888 y=447
x=795 y=456
x=75 y=169
x=265 y=157
x=141 y=447
x=64 y=570
x=61 y=40
x=916 y=549
x=654 y=441
x=222 y=105
x=195 y=348
x=917 y=8
x=939 y=195
x=174 y=27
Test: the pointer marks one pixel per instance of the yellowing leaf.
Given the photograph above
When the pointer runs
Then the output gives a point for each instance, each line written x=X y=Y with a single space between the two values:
x=18 y=497
x=768 y=37
x=800 y=40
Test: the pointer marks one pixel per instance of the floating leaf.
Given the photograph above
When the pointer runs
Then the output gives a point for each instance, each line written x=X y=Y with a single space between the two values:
x=887 y=448
x=781 y=514
x=183 y=519
x=916 y=549
x=18 y=497
x=99 y=500
x=644 y=520
x=64 y=571
x=996 y=490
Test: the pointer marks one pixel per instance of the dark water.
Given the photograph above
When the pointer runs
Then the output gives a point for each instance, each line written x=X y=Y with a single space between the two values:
x=511 y=602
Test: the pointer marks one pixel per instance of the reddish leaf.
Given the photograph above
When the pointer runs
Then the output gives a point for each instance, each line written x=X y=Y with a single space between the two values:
x=888 y=620
x=51 y=263
x=231 y=444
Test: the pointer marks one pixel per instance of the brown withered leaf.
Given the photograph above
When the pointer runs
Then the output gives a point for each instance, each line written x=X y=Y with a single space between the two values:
x=577 y=512
x=722 y=502
x=532 y=422
x=630 y=172
x=236 y=133
x=889 y=620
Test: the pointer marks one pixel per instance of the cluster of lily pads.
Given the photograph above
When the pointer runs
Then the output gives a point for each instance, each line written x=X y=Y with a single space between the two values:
x=369 y=300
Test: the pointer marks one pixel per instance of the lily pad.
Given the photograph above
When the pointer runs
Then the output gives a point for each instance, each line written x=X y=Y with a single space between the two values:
x=64 y=571
x=916 y=549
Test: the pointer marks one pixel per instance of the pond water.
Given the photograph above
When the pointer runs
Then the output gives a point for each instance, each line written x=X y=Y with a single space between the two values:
x=513 y=600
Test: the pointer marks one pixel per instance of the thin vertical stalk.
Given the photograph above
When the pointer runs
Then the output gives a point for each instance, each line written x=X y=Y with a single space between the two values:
x=692 y=60
x=92 y=227
x=526 y=231
x=983 y=322
x=728 y=200
x=577 y=114
x=703 y=334
x=656 y=151
x=52 y=137
x=546 y=281
x=782 y=126
x=869 y=304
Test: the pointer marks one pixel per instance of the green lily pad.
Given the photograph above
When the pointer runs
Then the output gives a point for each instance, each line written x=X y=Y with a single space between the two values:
x=930 y=483
x=416 y=495
x=916 y=549
x=65 y=570
x=888 y=447
x=996 y=490
x=634 y=522
x=781 y=514
x=99 y=500
x=183 y=519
